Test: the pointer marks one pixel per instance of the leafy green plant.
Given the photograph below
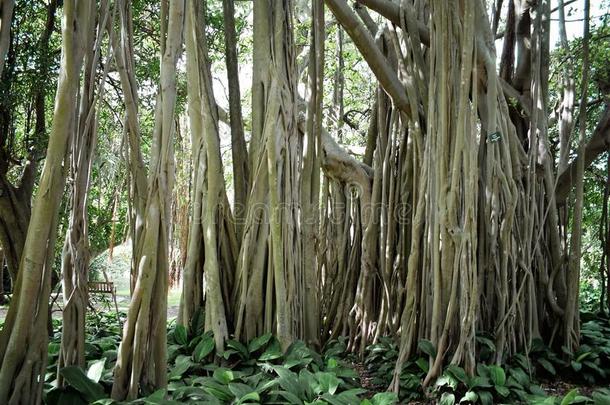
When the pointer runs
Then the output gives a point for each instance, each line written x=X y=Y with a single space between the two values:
x=491 y=384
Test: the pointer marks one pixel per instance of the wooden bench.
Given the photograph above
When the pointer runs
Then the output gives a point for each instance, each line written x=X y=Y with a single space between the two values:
x=103 y=287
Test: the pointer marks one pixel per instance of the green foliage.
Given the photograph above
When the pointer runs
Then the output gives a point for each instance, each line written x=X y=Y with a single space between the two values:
x=256 y=372
x=260 y=372
x=489 y=385
x=380 y=362
x=589 y=364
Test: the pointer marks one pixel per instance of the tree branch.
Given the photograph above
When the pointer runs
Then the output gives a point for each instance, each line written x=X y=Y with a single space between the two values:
x=599 y=143
x=371 y=53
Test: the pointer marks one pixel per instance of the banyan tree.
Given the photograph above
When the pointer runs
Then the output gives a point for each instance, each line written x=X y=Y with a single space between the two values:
x=459 y=219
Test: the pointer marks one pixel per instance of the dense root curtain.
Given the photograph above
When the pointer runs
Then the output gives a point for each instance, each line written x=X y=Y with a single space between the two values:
x=23 y=342
x=459 y=233
x=142 y=357
x=75 y=254
x=269 y=288
x=212 y=250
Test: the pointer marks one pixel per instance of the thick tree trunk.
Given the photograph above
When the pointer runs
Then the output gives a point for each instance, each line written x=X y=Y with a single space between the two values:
x=241 y=170
x=142 y=358
x=212 y=230
x=277 y=148
x=310 y=178
x=23 y=349
x=572 y=317
x=76 y=253
x=137 y=174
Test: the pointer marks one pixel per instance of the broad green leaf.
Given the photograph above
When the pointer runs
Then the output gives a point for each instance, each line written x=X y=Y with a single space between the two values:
x=523 y=361
x=189 y=393
x=259 y=342
x=502 y=390
x=547 y=366
x=274 y=351
x=77 y=378
x=328 y=382
x=570 y=396
x=183 y=363
x=447 y=399
x=261 y=388
x=96 y=369
x=600 y=398
x=520 y=375
x=223 y=375
x=180 y=334
x=457 y=372
x=340 y=399
x=332 y=363
x=203 y=349
x=536 y=390
x=53 y=349
x=239 y=347
x=198 y=322
x=486 y=342
x=423 y=364
x=485 y=397
x=470 y=396
x=497 y=375
x=384 y=398
x=290 y=397
x=447 y=380
x=479 y=382
x=217 y=390
x=426 y=346
x=576 y=366
x=243 y=392
x=483 y=370
x=227 y=353
x=156 y=397
x=289 y=381
x=512 y=383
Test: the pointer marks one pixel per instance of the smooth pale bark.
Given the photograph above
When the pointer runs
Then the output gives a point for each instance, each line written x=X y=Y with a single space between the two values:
x=142 y=358
x=251 y=320
x=566 y=110
x=213 y=229
x=122 y=44
x=273 y=204
x=76 y=253
x=338 y=86
x=23 y=348
x=572 y=319
x=241 y=169
x=310 y=180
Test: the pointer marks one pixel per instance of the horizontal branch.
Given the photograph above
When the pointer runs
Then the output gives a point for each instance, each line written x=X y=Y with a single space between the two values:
x=362 y=38
x=598 y=144
x=391 y=11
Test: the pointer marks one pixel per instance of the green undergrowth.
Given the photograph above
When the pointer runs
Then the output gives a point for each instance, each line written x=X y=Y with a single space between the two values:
x=259 y=372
